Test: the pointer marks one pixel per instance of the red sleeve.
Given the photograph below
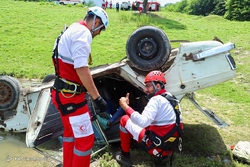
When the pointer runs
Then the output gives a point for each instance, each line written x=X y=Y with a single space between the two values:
x=129 y=111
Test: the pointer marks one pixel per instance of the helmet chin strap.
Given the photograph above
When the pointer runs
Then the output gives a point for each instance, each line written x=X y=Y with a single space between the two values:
x=93 y=29
x=155 y=88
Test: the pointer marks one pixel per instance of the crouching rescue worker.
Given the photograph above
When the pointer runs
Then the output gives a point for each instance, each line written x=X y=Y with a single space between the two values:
x=73 y=80
x=158 y=128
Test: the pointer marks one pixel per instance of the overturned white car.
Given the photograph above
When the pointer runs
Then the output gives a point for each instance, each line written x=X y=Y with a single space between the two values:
x=188 y=68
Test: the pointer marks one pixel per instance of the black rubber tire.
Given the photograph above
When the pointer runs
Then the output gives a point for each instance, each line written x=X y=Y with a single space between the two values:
x=9 y=92
x=48 y=78
x=148 y=48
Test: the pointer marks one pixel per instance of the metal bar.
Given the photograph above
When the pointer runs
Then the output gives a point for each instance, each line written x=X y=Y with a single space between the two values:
x=210 y=114
x=214 y=51
x=46 y=154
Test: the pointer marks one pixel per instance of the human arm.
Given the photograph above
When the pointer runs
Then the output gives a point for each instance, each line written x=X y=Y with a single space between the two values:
x=87 y=80
x=124 y=103
x=144 y=119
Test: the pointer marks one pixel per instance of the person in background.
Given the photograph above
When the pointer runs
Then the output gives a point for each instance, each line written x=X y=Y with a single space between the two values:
x=106 y=4
x=129 y=5
x=110 y=4
x=133 y=5
x=103 y=4
x=73 y=80
x=117 y=6
x=158 y=116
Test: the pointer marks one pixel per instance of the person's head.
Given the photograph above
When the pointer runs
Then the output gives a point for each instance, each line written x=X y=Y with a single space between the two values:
x=96 y=20
x=154 y=81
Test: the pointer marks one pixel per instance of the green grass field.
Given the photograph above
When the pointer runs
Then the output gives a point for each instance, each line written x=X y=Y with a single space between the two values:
x=28 y=31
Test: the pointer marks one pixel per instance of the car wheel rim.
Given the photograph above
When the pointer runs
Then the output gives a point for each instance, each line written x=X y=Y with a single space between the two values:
x=147 y=48
x=5 y=93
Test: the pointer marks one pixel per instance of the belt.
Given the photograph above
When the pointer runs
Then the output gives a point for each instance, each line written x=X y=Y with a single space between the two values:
x=66 y=86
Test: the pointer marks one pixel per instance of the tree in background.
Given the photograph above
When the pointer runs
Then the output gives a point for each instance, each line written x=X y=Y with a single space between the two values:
x=238 y=10
x=90 y=3
x=230 y=9
x=201 y=7
x=220 y=8
x=145 y=2
x=182 y=6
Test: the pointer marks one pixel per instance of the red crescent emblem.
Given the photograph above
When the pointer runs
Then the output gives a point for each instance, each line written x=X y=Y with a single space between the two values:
x=83 y=128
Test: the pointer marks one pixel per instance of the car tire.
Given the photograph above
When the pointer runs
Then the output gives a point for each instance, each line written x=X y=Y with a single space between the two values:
x=48 y=78
x=148 y=48
x=9 y=92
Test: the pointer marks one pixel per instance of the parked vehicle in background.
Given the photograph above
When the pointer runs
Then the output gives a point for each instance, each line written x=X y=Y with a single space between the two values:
x=72 y=2
x=151 y=6
x=124 y=6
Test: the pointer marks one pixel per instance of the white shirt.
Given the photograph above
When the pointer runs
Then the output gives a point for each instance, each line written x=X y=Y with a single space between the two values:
x=158 y=111
x=75 y=45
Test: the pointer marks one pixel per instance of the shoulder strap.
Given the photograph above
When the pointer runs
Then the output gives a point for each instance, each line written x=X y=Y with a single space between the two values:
x=55 y=53
x=56 y=64
x=175 y=103
x=157 y=140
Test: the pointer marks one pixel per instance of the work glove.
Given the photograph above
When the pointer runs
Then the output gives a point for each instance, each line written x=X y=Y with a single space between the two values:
x=101 y=104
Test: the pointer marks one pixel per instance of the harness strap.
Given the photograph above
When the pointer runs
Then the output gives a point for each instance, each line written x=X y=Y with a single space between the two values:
x=65 y=86
x=167 y=142
x=62 y=86
x=56 y=64
x=174 y=102
x=72 y=107
x=55 y=53
x=160 y=141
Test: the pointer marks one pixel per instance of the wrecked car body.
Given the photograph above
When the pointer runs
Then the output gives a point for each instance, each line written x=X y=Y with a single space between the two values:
x=190 y=67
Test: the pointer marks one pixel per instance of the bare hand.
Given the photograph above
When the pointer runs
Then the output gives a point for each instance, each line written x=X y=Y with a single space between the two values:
x=124 y=102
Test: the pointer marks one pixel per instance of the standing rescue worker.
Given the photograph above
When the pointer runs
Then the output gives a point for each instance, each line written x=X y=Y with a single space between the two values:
x=158 y=117
x=73 y=79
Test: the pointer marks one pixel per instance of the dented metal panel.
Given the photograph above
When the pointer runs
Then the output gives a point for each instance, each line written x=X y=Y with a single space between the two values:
x=185 y=76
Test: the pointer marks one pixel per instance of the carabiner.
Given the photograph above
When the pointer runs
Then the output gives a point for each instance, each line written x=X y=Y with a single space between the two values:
x=157 y=144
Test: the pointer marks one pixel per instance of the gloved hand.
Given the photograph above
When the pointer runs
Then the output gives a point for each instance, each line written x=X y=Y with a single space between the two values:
x=101 y=104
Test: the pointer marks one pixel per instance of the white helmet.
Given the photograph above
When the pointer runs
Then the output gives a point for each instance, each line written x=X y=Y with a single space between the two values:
x=98 y=11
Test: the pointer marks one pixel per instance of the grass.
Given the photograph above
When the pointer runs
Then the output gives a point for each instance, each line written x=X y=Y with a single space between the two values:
x=28 y=31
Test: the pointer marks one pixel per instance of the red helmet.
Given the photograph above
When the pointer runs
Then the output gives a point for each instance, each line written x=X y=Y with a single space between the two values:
x=155 y=76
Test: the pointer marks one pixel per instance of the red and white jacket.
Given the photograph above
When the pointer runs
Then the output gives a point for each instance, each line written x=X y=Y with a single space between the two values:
x=74 y=49
x=158 y=115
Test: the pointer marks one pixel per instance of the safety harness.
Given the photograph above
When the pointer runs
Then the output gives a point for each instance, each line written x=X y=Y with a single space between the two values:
x=65 y=86
x=169 y=142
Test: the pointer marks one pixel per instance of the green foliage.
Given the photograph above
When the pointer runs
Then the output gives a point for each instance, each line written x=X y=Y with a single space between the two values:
x=220 y=8
x=230 y=9
x=238 y=10
x=34 y=0
x=182 y=6
x=141 y=19
x=37 y=35
x=200 y=7
x=195 y=7
x=90 y=3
